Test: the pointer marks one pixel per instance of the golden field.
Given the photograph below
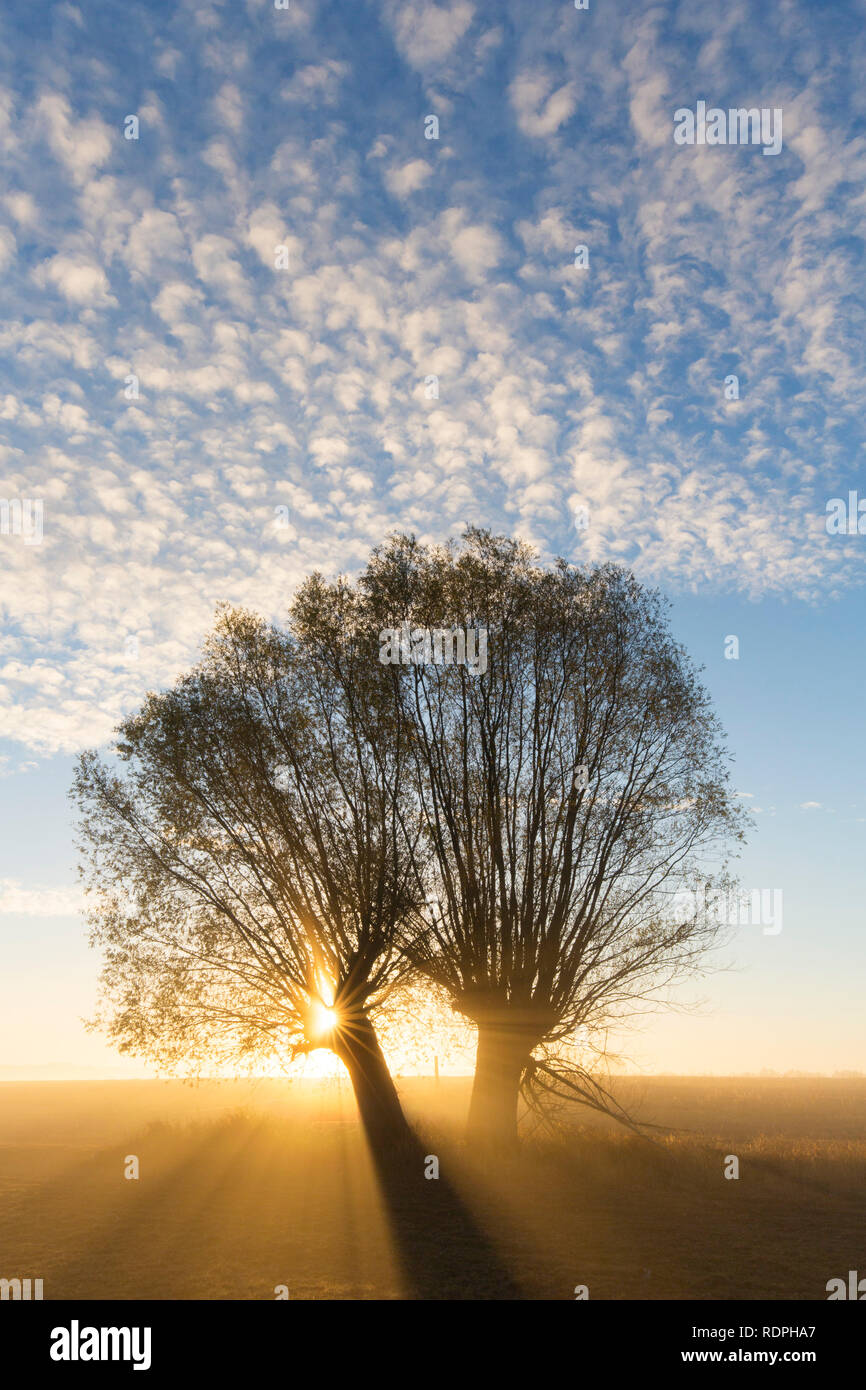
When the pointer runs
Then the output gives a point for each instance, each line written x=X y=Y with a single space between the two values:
x=246 y=1186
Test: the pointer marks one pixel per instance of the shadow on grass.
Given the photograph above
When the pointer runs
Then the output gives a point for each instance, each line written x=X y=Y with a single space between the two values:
x=443 y=1252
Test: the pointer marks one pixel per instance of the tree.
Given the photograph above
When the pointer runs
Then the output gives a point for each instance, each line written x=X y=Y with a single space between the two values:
x=568 y=793
x=250 y=873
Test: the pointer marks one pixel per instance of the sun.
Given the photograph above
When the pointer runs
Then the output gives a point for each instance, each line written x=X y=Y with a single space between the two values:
x=322 y=1020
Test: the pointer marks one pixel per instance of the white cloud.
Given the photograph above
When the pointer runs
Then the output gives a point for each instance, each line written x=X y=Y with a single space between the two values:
x=213 y=258
x=404 y=179
x=541 y=110
x=80 y=280
x=228 y=107
x=175 y=299
x=71 y=418
x=651 y=117
x=39 y=902
x=72 y=12
x=167 y=62
x=81 y=146
x=8 y=247
x=155 y=236
x=475 y=248
x=22 y=208
x=427 y=33
x=320 y=80
x=267 y=231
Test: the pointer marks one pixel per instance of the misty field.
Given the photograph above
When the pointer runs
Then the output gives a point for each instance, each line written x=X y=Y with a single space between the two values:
x=247 y=1186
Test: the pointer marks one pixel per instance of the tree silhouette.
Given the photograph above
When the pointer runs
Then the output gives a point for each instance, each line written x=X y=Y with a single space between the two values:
x=250 y=874
x=566 y=793
x=300 y=827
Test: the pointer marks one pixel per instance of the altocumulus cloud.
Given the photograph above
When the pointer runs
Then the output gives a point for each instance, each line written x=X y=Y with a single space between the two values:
x=218 y=339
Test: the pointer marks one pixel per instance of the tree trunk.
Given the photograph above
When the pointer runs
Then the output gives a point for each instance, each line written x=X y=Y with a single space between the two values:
x=378 y=1103
x=501 y=1056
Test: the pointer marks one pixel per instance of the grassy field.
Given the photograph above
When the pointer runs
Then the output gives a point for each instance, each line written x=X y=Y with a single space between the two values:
x=247 y=1186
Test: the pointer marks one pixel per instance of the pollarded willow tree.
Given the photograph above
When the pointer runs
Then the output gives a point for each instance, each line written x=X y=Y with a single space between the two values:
x=569 y=792
x=261 y=861
x=251 y=874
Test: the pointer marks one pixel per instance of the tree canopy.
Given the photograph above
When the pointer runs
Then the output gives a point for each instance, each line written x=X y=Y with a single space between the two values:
x=297 y=827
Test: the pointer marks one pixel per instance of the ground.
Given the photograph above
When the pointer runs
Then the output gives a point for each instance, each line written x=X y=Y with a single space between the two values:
x=245 y=1187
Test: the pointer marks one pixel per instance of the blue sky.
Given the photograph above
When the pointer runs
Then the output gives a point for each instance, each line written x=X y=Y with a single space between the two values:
x=285 y=417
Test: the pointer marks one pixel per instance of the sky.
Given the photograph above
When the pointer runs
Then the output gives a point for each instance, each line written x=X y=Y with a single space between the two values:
x=278 y=282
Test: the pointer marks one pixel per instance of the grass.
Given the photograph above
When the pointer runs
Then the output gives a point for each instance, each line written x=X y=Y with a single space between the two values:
x=247 y=1186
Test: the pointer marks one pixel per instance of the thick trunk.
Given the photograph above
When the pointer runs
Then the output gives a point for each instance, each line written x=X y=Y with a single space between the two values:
x=502 y=1054
x=378 y=1103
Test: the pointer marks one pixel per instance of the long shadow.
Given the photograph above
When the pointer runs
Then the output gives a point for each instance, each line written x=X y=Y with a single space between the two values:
x=137 y=1219
x=443 y=1251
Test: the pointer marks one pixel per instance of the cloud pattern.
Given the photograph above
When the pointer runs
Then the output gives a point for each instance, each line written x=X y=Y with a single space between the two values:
x=283 y=321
